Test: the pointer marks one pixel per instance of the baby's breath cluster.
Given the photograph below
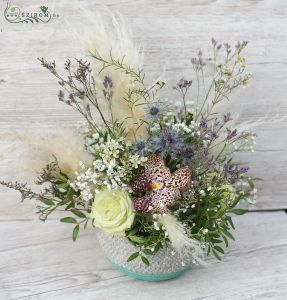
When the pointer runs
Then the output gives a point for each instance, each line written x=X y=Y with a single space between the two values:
x=113 y=167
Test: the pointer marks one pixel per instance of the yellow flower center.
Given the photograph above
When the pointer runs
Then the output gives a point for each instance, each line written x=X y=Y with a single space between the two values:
x=156 y=185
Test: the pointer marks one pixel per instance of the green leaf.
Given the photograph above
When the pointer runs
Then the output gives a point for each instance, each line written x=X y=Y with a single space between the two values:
x=47 y=201
x=160 y=83
x=145 y=260
x=228 y=234
x=69 y=206
x=63 y=185
x=216 y=241
x=238 y=211
x=148 y=252
x=69 y=195
x=257 y=179
x=251 y=184
x=238 y=198
x=157 y=247
x=225 y=240
x=86 y=224
x=208 y=250
x=230 y=221
x=219 y=249
x=133 y=256
x=137 y=239
x=69 y=220
x=60 y=176
x=75 y=232
x=132 y=232
x=216 y=254
x=214 y=234
x=78 y=213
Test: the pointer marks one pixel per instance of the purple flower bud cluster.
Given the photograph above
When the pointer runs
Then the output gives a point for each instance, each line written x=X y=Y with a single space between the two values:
x=241 y=44
x=215 y=44
x=183 y=84
x=61 y=96
x=231 y=133
x=203 y=124
x=107 y=83
x=227 y=117
x=234 y=172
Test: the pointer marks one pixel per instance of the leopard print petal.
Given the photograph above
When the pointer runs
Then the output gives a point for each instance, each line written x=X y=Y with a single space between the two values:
x=141 y=183
x=156 y=170
x=181 y=179
x=165 y=197
x=143 y=204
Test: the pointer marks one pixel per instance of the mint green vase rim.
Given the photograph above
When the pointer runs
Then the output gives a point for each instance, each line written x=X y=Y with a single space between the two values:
x=149 y=277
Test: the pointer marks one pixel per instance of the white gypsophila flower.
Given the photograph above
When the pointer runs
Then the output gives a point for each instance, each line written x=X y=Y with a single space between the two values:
x=183 y=127
x=112 y=167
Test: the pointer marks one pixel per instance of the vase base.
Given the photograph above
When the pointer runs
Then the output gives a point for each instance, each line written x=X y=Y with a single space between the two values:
x=149 y=277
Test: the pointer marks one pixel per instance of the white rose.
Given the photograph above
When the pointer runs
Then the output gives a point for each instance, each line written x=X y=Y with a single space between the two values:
x=112 y=211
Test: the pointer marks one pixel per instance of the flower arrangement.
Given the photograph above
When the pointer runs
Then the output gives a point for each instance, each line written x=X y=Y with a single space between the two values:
x=157 y=173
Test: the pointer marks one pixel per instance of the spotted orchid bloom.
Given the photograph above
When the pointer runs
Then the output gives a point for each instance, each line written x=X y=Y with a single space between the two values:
x=163 y=187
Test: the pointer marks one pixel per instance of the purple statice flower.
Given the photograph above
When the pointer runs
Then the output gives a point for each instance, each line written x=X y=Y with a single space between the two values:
x=198 y=61
x=213 y=41
x=231 y=133
x=108 y=85
x=183 y=84
x=233 y=171
x=241 y=44
x=88 y=110
x=72 y=98
x=61 y=95
x=244 y=170
x=227 y=117
x=213 y=134
x=203 y=124
x=107 y=82
x=207 y=157
x=216 y=123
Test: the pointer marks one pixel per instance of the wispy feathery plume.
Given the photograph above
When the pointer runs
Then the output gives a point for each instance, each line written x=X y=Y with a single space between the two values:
x=36 y=149
x=109 y=36
x=184 y=245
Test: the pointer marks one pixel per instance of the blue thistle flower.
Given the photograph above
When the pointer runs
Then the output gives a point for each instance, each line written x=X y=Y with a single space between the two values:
x=140 y=147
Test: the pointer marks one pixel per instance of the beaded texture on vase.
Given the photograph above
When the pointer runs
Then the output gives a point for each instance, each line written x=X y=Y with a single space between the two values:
x=118 y=250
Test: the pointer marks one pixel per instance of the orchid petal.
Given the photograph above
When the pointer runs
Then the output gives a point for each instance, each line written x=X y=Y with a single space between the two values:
x=155 y=169
x=165 y=197
x=181 y=178
x=142 y=204
x=141 y=183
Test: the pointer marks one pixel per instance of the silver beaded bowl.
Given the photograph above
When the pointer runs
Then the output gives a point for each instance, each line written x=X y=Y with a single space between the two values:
x=164 y=265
